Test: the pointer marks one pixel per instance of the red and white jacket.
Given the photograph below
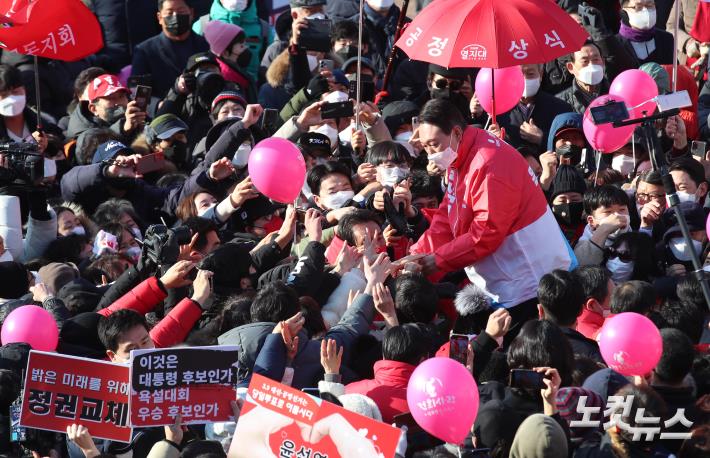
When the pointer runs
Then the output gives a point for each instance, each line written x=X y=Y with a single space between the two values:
x=495 y=222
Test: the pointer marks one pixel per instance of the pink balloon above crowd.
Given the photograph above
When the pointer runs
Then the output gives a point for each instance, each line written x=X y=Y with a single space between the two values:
x=32 y=325
x=277 y=168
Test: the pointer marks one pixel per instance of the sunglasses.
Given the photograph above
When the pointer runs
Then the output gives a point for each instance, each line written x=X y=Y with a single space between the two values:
x=624 y=256
x=443 y=83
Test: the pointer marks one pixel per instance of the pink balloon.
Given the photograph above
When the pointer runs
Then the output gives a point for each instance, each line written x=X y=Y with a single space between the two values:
x=605 y=137
x=509 y=86
x=636 y=87
x=630 y=344
x=32 y=325
x=443 y=398
x=277 y=168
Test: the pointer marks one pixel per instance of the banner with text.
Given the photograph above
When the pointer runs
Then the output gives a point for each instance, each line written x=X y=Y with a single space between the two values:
x=196 y=383
x=61 y=390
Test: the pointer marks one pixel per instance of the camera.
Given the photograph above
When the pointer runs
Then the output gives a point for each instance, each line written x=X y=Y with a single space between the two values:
x=208 y=84
x=162 y=245
x=25 y=163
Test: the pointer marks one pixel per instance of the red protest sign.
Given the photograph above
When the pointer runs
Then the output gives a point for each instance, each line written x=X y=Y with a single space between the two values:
x=278 y=420
x=61 y=390
x=196 y=383
x=60 y=29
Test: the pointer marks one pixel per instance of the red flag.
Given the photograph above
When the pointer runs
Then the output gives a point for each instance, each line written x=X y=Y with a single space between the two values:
x=15 y=11
x=701 y=24
x=56 y=29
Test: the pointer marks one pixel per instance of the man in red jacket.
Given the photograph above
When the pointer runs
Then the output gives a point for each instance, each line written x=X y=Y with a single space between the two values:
x=494 y=221
x=403 y=347
x=124 y=328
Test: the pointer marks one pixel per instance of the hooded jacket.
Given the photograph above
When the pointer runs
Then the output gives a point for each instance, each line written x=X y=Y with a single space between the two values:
x=388 y=389
x=492 y=221
x=259 y=34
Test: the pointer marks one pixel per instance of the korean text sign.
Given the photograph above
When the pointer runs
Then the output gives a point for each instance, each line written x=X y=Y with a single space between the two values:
x=278 y=420
x=61 y=390
x=196 y=383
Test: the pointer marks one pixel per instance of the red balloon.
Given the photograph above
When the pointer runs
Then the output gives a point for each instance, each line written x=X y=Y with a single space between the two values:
x=277 y=168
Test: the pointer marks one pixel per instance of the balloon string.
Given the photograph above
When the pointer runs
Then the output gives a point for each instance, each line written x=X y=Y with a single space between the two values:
x=599 y=159
x=488 y=123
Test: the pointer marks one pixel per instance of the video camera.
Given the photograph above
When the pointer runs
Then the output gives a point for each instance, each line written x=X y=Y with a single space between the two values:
x=162 y=245
x=25 y=163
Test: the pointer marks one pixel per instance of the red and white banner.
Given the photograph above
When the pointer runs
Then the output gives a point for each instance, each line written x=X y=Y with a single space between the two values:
x=55 y=29
x=61 y=390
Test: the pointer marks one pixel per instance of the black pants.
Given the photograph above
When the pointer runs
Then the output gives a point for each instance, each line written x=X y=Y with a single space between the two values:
x=520 y=314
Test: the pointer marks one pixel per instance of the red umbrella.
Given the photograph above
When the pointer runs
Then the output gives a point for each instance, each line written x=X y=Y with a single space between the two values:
x=491 y=33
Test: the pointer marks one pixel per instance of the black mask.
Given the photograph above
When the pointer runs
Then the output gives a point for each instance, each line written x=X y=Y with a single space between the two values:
x=244 y=58
x=346 y=52
x=569 y=214
x=573 y=152
x=115 y=113
x=177 y=152
x=177 y=24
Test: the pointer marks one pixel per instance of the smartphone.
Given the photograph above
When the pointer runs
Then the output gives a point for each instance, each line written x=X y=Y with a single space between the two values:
x=526 y=379
x=698 y=149
x=585 y=12
x=337 y=110
x=367 y=91
x=150 y=163
x=609 y=112
x=326 y=64
x=316 y=37
x=142 y=96
x=415 y=122
x=269 y=119
x=315 y=392
x=458 y=347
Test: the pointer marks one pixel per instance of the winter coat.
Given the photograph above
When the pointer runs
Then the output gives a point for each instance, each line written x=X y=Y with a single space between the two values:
x=115 y=53
x=620 y=56
x=164 y=59
x=582 y=346
x=686 y=13
x=388 y=389
x=306 y=364
x=493 y=221
x=81 y=120
x=171 y=330
x=578 y=99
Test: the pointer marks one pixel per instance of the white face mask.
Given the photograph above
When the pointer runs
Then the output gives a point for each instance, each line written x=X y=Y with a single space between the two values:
x=12 y=105
x=338 y=199
x=202 y=212
x=532 y=86
x=403 y=136
x=390 y=176
x=78 y=230
x=6 y=256
x=330 y=132
x=623 y=164
x=686 y=197
x=644 y=19
x=681 y=250
x=444 y=159
x=235 y=6
x=241 y=157
x=591 y=74
x=380 y=4
x=620 y=271
x=312 y=62
x=346 y=135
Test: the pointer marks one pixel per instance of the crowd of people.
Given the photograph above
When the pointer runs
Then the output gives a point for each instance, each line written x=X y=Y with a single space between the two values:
x=422 y=220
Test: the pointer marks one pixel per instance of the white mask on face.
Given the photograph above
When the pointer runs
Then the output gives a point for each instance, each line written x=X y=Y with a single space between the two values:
x=681 y=250
x=78 y=230
x=643 y=20
x=338 y=199
x=532 y=86
x=12 y=105
x=623 y=164
x=403 y=136
x=591 y=74
x=312 y=62
x=6 y=256
x=241 y=157
x=346 y=135
x=206 y=209
x=380 y=4
x=330 y=132
x=444 y=159
x=390 y=176
x=620 y=271
x=686 y=197
x=235 y=6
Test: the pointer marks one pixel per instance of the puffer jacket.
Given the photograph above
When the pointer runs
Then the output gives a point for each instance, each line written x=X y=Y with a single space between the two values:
x=388 y=389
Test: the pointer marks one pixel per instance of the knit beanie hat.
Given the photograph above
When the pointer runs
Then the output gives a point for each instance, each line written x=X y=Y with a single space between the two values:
x=359 y=403
x=539 y=436
x=567 y=400
x=220 y=34
x=57 y=274
x=568 y=179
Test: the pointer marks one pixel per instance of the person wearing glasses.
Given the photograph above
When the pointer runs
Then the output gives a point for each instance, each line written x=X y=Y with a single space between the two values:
x=452 y=84
x=650 y=201
x=631 y=257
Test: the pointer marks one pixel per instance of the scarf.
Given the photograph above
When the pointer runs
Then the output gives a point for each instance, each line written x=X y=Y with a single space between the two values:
x=636 y=35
